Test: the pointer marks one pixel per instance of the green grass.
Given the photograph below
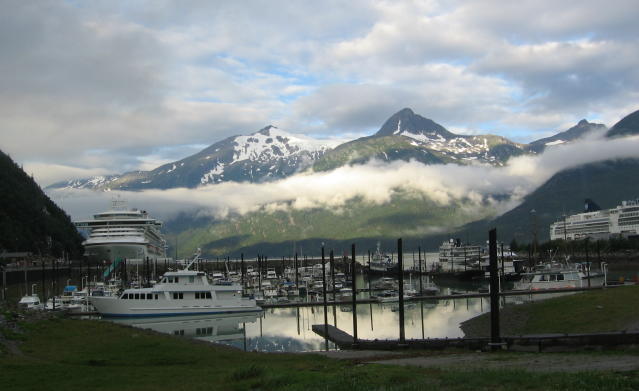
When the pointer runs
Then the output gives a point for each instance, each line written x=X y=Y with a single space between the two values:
x=610 y=309
x=61 y=354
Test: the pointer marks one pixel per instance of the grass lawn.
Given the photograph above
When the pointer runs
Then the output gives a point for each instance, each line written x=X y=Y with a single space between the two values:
x=66 y=354
x=610 y=309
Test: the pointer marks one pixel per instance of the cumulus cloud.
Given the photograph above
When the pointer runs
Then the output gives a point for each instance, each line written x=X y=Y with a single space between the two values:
x=375 y=183
x=81 y=83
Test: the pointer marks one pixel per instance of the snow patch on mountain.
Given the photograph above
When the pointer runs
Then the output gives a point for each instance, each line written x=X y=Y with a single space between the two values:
x=272 y=143
x=214 y=175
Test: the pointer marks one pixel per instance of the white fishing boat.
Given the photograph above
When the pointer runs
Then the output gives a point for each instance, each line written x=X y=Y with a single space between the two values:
x=560 y=276
x=178 y=293
x=382 y=263
x=31 y=302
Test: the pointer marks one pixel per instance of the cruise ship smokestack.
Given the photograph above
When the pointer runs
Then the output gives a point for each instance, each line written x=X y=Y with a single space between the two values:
x=590 y=206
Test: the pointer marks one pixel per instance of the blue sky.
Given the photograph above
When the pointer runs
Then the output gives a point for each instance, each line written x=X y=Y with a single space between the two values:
x=99 y=87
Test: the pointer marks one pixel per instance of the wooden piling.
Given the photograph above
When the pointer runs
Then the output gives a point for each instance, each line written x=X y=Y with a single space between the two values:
x=242 y=269
x=297 y=283
x=354 y=287
x=332 y=271
x=4 y=284
x=400 y=275
x=324 y=295
x=44 y=293
x=421 y=282
x=494 y=289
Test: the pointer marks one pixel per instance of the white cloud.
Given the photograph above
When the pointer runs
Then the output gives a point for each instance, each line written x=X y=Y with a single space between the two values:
x=115 y=82
x=375 y=182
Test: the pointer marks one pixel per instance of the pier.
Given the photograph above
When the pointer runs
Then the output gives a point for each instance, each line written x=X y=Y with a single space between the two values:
x=533 y=342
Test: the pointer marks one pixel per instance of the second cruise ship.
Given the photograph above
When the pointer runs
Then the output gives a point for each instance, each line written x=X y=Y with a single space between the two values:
x=122 y=233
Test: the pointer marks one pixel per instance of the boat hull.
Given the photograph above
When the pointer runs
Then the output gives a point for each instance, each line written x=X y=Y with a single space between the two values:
x=117 y=308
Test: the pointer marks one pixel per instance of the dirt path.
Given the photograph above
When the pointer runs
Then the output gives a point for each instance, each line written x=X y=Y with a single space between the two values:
x=535 y=362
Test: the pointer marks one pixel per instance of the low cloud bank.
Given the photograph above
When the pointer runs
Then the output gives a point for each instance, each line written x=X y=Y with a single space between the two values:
x=376 y=182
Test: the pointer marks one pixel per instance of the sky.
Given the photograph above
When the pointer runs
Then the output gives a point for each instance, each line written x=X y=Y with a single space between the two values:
x=98 y=87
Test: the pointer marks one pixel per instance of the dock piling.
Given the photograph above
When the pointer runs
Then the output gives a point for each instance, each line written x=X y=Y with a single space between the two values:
x=354 y=296
x=400 y=275
x=324 y=296
x=494 y=290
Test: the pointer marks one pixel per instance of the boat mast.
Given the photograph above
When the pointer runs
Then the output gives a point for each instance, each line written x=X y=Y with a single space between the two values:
x=195 y=258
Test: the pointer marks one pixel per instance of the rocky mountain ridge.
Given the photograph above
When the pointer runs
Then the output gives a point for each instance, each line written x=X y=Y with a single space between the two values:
x=271 y=154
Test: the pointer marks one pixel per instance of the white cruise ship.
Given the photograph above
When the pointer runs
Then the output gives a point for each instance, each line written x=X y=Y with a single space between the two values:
x=122 y=233
x=622 y=220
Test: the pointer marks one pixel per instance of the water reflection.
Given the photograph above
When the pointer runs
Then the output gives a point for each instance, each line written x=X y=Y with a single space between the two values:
x=289 y=329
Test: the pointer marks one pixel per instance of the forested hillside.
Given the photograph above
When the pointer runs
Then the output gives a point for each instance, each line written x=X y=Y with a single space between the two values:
x=29 y=220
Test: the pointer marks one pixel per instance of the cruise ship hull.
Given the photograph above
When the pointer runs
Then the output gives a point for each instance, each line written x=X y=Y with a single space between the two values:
x=112 y=251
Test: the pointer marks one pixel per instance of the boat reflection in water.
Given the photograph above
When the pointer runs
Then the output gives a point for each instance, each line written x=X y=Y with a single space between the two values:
x=210 y=328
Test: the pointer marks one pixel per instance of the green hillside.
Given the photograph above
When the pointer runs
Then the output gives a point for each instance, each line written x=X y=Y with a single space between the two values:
x=358 y=221
x=29 y=220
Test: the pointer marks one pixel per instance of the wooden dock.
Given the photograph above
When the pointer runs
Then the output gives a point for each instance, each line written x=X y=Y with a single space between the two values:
x=535 y=342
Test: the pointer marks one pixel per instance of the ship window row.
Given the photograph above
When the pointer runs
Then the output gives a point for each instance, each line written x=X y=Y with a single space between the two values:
x=204 y=331
x=203 y=295
x=628 y=219
x=632 y=222
x=140 y=296
x=171 y=280
x=551 y=277
x=178 y=295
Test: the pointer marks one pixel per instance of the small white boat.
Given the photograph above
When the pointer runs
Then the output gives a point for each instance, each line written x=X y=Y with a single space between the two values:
x=346 y=293
x=271 y=274
x=31 y=302
x=385 y=283
x=388 y=296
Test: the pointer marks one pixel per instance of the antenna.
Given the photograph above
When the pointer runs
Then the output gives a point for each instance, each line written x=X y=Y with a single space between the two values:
x=195 y=258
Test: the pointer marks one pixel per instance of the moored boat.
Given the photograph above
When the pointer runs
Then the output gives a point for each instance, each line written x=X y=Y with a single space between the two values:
x=178 y=293
x=560 y=276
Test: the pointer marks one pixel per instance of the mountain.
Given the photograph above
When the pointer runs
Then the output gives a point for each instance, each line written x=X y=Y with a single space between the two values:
x=578 y=131
x=271 y=154
x=265 y=155
x=629 y=125
x=29 y=220
x=407 y=122
x=406 y=135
